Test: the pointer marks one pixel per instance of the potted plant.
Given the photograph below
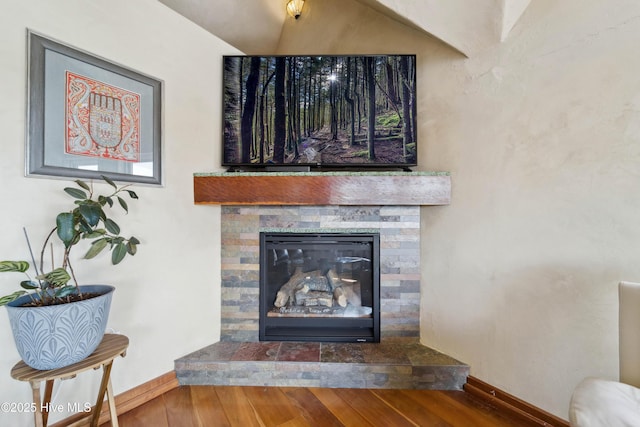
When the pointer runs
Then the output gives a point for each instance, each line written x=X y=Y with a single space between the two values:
x=55 y=323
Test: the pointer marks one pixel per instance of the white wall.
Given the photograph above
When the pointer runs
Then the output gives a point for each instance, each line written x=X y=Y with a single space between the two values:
x=542 y=136
x=168 y=295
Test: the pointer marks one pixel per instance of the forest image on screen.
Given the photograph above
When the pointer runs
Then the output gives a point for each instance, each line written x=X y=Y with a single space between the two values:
x=320 y=110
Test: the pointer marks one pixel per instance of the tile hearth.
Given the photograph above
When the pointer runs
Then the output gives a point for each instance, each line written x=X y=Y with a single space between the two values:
x=393 y=363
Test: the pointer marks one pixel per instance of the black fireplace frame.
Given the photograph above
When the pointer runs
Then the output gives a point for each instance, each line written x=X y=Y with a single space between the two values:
x=356 y=329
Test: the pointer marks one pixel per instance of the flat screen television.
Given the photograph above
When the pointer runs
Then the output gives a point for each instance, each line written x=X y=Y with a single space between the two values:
x=337 y=112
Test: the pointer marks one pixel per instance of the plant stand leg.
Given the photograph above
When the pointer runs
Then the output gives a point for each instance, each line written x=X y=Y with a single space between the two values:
x=112 y=405
x=37 y=410
x=48 y=389
x=106 y=372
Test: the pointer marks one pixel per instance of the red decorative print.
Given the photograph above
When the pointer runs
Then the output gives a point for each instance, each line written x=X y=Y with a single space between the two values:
x=101 y=120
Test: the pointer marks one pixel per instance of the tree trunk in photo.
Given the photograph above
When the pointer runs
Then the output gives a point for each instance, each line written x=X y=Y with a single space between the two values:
x=391 y=83
x=309 y=107
x=232 y=91
x=358 y=89
x=407 y=133
x=352 y=109
x=261 y=130
x=249 y=109
x=293 y=108
x=312 y=108
x=289 y=105
x=263 y=117
x=280 y=131
x=333 y=109
x=369 y=72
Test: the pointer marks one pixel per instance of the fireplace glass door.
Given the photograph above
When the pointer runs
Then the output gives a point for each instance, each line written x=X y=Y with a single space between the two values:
x=319 y=287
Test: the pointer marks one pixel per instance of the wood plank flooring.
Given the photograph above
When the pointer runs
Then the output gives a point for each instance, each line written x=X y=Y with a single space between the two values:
x=221 y=406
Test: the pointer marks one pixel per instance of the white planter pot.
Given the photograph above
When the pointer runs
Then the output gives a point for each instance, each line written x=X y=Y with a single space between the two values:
x=51 y=337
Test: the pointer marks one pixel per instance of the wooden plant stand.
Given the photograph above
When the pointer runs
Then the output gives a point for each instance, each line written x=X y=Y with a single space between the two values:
x=112 y=346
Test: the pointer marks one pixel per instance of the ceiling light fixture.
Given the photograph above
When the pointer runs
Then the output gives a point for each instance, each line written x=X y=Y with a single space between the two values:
x=294 y=7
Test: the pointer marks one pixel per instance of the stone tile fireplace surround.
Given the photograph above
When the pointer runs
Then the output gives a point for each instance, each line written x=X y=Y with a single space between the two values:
x=387 y=203
x=399 y=228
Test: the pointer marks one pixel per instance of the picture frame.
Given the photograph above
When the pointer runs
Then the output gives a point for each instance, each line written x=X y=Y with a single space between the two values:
x=88 y=117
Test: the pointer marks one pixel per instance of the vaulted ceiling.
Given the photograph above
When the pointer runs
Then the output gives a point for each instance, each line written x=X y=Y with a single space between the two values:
x=254 y=26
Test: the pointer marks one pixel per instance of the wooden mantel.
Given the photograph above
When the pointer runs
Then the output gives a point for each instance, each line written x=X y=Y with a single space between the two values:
x=323 y=188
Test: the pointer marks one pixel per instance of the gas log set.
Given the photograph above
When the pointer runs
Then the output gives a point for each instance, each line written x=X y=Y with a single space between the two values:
x=316 y=294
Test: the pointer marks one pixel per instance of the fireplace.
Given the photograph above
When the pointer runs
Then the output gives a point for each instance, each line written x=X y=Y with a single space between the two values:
x=256 y=204
x=319 y=287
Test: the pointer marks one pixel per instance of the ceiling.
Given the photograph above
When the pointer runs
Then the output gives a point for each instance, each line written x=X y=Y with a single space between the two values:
x=467 y=26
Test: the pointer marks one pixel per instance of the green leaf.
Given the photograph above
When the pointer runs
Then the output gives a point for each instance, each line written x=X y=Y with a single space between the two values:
x=65 y=290
x=76 y=239
x=96 y=247
x=91 y=212
x=132 y=248
x=65 y=228
x=18 y=266
x=84 y=227
x=110 y=182
x=111 y=226
x=29 y=284
x=116 y=240
x=132 y=194
x=83 y=184
x=95 y=234
x=123 y=204
x=119 y=252
x=58 y=277
x=104 y=200
x=134 y=240
x=8 y=298
x=74 y=192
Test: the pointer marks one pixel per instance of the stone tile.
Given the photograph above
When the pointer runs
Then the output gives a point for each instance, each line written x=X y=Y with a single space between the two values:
x=201 y=378
x=299 y=352
x=420 y=355
x=341 y=353
x=385 y=353
x=299 y=374
x=257 y=351
x=219 y=352
x=336 y=375
x=200 y=366
x=235 y=335
x=438 y=377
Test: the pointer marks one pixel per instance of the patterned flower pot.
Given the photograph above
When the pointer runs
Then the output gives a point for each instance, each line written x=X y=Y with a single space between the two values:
x=55 y=336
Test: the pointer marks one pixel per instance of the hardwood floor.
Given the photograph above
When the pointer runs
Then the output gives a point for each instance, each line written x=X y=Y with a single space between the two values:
x=318 y=407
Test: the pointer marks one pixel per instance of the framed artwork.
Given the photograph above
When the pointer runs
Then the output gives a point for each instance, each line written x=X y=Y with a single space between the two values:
x=88 y=117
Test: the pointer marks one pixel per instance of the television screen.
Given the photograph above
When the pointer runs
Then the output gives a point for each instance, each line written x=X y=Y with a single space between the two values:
x=319 y=111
